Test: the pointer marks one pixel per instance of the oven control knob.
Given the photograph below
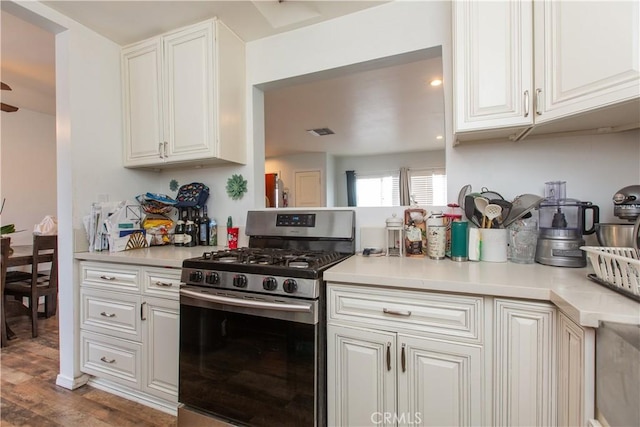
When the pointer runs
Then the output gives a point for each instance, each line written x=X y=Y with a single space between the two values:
x=213 y=278
x=195 y=276
x=240 y=281
x=269 y=283
x=290 y=286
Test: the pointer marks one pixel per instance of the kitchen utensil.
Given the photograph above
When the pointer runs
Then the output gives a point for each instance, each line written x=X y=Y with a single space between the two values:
x=506 y=209
x=562 y=225
x=616 y=235
x=492 y=212
x=470 y=210
x=488 y=194
x=522 y=205
x=481 y=203
x=463 y=194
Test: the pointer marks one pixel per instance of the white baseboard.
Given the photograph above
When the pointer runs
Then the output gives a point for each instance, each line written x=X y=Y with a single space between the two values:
x=70 y=382
x=170 y=408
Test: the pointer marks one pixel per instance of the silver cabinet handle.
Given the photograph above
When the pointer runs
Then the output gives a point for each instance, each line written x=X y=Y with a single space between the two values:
x=404 y=359
x=166 y=149
x=538 y=102
x=396 y=312
x=164 y=284
x=109 y=278
x=142 y=316
x=105 y=314
x=104 y=359
x=161 y=150
x=388 y=356
x=526 y=103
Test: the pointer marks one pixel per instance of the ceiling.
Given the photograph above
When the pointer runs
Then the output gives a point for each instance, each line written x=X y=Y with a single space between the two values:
x=371 y=108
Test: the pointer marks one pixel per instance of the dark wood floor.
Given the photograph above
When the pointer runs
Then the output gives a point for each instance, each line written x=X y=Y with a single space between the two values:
x=30 y=397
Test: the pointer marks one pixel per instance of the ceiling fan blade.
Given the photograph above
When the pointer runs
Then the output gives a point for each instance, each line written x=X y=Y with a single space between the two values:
x=8 y=108
x=5 y=86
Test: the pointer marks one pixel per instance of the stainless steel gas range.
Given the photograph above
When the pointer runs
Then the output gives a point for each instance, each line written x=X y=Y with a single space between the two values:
x=252 y=322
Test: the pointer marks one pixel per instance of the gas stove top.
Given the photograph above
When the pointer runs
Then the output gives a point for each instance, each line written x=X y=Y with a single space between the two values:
x=258 y=257
x=287 y=253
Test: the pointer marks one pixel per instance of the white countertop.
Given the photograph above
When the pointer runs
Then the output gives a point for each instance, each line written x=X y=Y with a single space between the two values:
x=155 y=256
x=586 y=302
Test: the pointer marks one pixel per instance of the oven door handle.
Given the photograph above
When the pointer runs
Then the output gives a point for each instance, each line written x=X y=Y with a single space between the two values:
x=303 y=308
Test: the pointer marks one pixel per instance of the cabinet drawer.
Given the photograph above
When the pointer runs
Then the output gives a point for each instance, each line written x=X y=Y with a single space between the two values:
x=110 y=313
x=111 y=358
x=111 y=276
x=162 y=282
x=427 y=313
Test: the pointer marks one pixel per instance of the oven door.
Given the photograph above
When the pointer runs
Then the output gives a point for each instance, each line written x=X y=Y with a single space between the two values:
x=251 y=359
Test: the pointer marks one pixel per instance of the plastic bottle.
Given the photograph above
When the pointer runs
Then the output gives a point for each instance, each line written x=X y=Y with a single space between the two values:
x=213 y=232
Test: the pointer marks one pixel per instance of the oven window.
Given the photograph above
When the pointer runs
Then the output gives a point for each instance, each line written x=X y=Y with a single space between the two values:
x=248 y=369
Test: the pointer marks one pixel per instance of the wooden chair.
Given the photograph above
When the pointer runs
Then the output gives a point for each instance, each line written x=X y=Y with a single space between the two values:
x=38 y=283
x=4 y=256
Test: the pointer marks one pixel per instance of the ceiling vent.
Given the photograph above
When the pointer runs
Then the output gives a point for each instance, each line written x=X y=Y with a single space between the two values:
x=320 y=131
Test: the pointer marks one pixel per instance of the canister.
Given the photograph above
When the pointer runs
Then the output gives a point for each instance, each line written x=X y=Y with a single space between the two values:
x=436 y=241
x=459 y=246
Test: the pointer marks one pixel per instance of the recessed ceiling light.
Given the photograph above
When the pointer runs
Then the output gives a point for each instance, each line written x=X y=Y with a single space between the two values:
x=436 y=82
x=320 y=131
x=439 y=137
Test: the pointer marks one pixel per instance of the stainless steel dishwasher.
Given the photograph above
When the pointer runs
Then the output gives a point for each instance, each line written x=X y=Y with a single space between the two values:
x=618 y=374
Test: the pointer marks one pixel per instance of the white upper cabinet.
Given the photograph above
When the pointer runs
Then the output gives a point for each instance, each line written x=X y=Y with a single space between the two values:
x=493 y=64
x=184 y=98
x=543 y=66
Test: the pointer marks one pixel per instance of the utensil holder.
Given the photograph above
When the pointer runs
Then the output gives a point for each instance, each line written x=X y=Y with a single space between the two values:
x=493 y=244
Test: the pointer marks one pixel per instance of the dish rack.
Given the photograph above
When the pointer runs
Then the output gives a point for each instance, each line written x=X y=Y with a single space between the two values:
x=616 y=268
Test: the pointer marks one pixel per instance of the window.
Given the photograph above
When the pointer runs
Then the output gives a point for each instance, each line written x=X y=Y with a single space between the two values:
x=427 y=187
x=378 y=189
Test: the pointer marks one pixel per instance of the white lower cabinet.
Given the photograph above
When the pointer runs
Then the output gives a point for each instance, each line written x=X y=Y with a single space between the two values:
x=129 y=329
x=361 y=386
x=576 y=373
x=524 y=364
x=162 y=331
x=440 y=383
x=384 y=371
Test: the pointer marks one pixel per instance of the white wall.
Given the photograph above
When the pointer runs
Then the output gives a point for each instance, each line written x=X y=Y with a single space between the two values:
x=390 y=29
x=594 y=167
x=28 y=177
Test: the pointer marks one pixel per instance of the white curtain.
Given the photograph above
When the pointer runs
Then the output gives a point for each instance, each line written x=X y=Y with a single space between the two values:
x=405 y=195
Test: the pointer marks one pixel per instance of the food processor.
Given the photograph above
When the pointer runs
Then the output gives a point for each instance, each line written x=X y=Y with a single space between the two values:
x=562 y=225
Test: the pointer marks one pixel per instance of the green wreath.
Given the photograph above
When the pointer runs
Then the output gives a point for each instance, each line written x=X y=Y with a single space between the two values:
x=236 y=186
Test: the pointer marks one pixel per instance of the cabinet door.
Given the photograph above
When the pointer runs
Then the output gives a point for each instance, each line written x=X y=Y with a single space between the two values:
x=576 y=388
x=361 y=377
x=142 y=89
x=586 y=55
x=189 y=83
x=439 y=383
x=524 y=363
x=161 y=318
x=493 y=54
